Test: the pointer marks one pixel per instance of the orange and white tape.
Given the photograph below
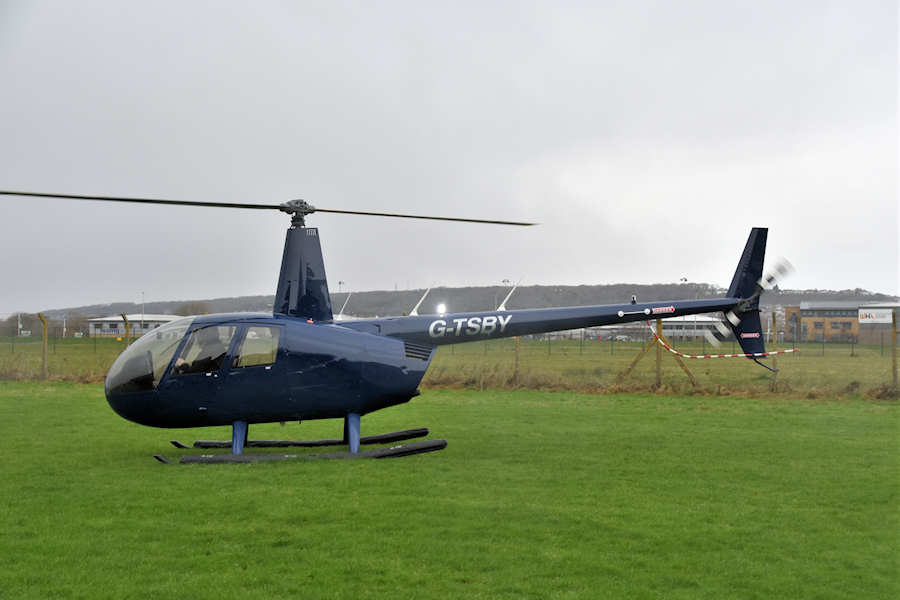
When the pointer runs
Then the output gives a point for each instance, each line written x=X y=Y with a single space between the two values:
x=683 y=355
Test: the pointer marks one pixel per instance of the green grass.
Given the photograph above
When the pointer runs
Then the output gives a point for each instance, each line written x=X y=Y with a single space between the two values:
x=69 y=359
x=538 y=495
x=594 y=367
x=838 y=369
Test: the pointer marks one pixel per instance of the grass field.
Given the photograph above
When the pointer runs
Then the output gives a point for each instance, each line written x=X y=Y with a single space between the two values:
x=538 y=495
x=590 y=366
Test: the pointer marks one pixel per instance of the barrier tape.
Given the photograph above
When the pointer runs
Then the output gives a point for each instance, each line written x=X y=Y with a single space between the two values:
x=682 y=355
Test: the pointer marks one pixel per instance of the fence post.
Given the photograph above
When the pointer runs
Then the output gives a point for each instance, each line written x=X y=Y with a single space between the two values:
x=548 y=345
x=658 y=354
x=127 y=328
x=774 y=356
x=43 y=345
x=516 y=368
x=894 y=344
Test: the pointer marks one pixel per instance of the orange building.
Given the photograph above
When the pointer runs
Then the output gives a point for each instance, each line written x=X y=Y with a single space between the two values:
x=818 y=321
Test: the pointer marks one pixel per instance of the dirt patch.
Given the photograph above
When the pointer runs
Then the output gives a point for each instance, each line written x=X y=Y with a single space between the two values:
x=884 y=392
x=851 y=388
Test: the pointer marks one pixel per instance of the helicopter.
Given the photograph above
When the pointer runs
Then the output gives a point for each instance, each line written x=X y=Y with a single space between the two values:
x=301 y=363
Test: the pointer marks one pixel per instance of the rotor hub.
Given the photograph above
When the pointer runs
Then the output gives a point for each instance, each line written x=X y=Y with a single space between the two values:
x=298 y=209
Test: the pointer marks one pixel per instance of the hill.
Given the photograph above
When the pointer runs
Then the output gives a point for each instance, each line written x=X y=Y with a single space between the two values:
x=382 y=303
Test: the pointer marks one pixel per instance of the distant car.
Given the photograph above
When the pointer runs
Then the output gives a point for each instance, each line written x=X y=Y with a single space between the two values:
x=623 y=338
x=77 y=334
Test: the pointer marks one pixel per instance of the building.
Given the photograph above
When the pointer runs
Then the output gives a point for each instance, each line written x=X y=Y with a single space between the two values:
x=690 y=327
x=114 y=326
x=837 y=321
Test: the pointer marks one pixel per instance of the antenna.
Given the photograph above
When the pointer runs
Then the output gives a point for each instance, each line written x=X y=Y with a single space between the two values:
x=340 y=316
x=505 y=300
x=415 y=311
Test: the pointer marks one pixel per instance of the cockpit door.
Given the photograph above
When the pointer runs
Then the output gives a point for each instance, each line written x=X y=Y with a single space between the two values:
x=254 y=385
x=196 y=373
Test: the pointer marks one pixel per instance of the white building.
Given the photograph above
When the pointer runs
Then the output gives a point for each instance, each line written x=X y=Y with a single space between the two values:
x=115 y=326
x=680 y=328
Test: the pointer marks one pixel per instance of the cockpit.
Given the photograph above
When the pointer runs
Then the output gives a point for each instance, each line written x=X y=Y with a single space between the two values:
x=176 y=375
x=142 y=365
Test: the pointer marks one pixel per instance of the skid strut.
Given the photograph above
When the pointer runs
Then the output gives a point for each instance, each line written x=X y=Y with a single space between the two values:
x=353 y=428
x=382 y=438
x=238 y=437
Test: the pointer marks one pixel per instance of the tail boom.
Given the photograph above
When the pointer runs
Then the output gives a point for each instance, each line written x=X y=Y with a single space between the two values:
x=458 y=328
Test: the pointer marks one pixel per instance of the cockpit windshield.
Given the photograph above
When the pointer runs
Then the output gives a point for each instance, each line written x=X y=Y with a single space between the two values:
x=143 y=364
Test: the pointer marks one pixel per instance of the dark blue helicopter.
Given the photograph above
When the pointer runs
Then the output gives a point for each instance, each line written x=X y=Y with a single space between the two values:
x=299 y=363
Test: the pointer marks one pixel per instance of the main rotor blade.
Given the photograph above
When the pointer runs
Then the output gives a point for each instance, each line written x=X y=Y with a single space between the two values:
x=145 y=200
x=257 y=206
x=402 y=216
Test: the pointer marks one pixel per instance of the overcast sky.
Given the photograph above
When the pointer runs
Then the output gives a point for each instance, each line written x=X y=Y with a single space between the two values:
x=647 y=138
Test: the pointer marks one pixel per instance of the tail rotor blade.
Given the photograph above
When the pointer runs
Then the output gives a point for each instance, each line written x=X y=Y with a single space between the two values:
x=723 y=329
x=711 y=338
x=781 y=269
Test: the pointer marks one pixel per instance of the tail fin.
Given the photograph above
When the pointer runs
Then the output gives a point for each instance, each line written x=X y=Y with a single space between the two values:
x=750 y=268
x=744 y=318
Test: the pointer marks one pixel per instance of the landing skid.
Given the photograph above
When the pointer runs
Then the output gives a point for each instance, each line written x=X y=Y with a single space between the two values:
x=383 y=438
x=391 y=452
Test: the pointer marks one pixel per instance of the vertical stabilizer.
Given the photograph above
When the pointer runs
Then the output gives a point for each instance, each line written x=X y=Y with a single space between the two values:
x=750 y=268
x=302 y=286
x=744 y=319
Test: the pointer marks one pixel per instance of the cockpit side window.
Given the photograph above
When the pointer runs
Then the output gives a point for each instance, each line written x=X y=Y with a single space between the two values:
x=259 y=347
x=205 y=350
x=143 y=364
